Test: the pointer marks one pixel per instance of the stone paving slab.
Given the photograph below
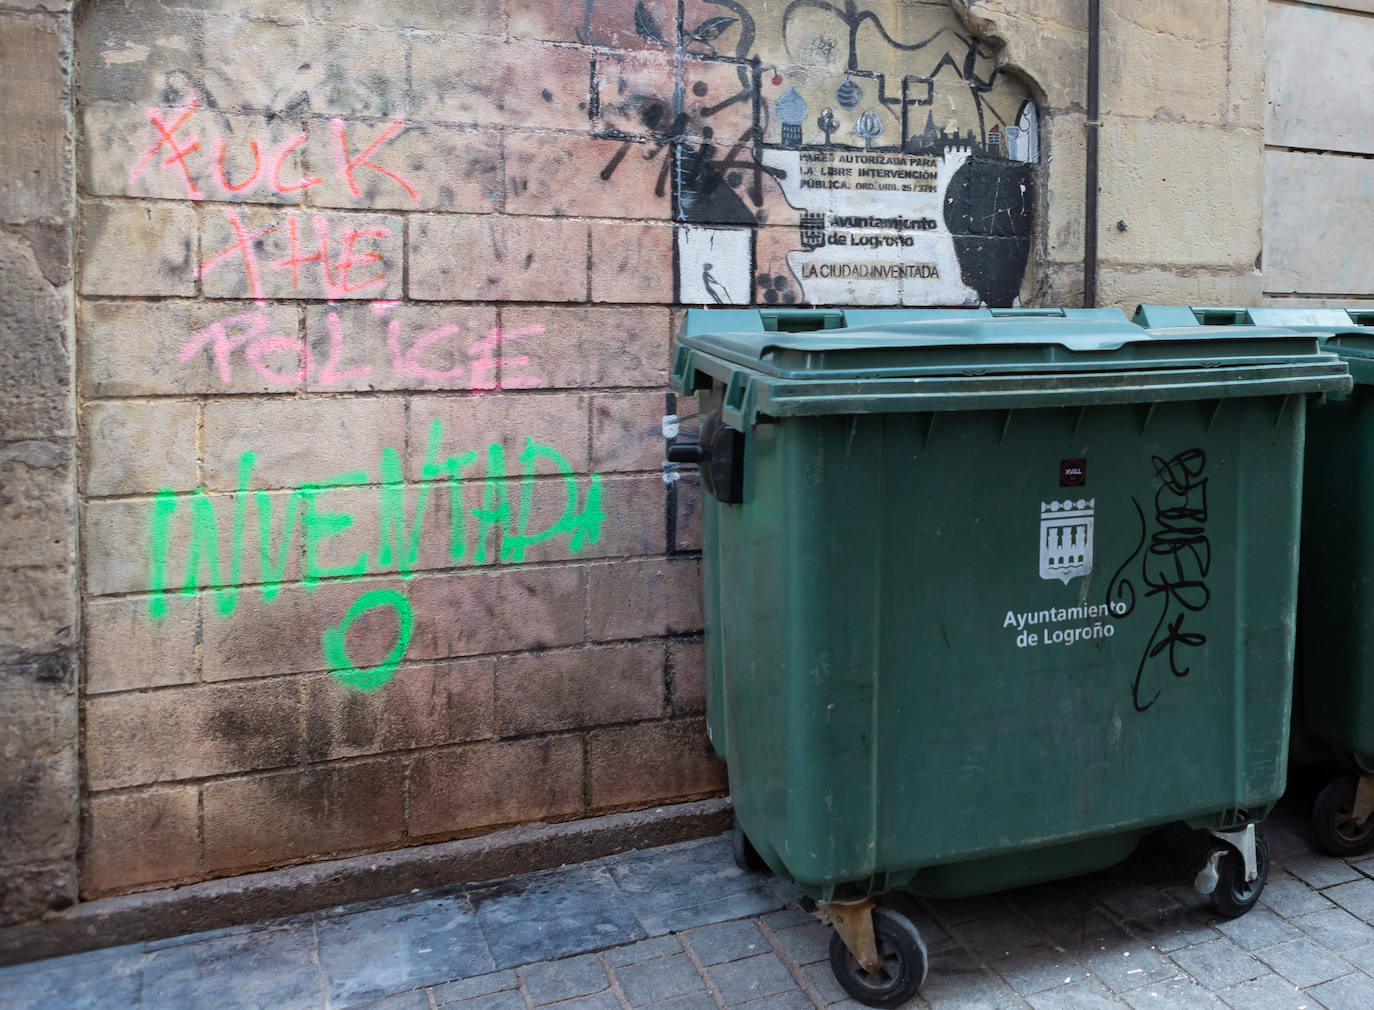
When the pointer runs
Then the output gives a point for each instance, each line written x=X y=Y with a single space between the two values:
x=680 y=928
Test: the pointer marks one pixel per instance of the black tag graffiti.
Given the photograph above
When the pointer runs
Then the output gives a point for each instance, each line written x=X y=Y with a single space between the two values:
x=1174 y=566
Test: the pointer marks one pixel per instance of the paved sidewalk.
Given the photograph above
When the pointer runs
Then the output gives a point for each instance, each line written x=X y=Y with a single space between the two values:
x=680 y=928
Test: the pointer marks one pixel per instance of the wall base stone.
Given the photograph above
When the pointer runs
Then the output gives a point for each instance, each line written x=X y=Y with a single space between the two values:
x=29 y=891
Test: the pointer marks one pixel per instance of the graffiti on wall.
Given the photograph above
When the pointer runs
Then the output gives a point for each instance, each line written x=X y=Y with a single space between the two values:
x=505 y=511
x=498 y=509
x=876 y=158
x=247 y=340
x=174 y=142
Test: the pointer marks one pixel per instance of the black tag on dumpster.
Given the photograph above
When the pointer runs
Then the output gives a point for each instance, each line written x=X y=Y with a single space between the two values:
x=1073 y=472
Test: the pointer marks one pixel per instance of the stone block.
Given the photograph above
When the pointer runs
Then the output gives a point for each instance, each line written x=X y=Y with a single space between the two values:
x=1317 y=66
x=655 y=596
x=283 y=634
x=1309 y=195
x=316 y=813
x=37 y=504
x=485 y=785
x=687 y=675
x=126 y=649
x=632 y=263
x=567 y=175
x=476 y=81
x=137 y=249
x=382 y=345
x=1161 y=178
x=139 y=51
x=1065 y=153
x=608 y=23
x=497 y=259
x=1248 y=63
x=577 y=348
x=542 y=692
x=472 y=423
x=192 y=151
x=1045 y=43
x=329 y=438
x=627 y=431
x=140 y=447
x=635 y=95
x=1155 y=74
x=107 y=530
x=1128 y=287
x=180 y=347
x=632 y=525
x=651 y=762
x=27 y=892
x=477 y=17
x=350 y=71
x=399 y=165
x=421 y=706
x=353 y=529
x=262 y=252
x=38 y=612
x=508 y=611
x=35 y=349
x=35 y=170
x=146 y=837
x=191 y=732
x=39 y=781
x=134 y=545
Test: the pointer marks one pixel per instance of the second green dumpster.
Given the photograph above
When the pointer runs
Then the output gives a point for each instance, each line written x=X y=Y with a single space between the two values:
x=1333 y=703
x=989 y=598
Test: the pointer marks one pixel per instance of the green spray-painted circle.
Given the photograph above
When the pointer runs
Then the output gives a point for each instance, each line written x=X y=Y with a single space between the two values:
x=336 y=651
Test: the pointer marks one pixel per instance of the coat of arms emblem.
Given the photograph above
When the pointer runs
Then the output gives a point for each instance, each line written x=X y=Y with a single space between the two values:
x=1066 y=539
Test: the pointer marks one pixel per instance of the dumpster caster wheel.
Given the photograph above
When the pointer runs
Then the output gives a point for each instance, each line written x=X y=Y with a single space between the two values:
x=1333 y=815
x=1234 y=895
x=904 y=962
x=747 y=857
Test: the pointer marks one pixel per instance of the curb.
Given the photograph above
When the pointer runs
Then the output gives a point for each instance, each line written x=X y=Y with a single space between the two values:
x=250 y=897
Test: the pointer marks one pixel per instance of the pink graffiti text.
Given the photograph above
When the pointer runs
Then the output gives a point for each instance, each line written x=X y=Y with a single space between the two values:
x=174 y=144
x=335 y=271
x=264 y=351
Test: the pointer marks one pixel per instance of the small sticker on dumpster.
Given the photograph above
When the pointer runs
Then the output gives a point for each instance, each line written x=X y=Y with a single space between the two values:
x=1073 y=472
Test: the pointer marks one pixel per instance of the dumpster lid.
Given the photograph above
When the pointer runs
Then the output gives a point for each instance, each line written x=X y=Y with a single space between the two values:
x=985 y=346
x=1346 y=331
x=944 y=362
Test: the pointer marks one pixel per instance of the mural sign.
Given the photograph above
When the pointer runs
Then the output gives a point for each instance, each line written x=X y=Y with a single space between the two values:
x=843 y=157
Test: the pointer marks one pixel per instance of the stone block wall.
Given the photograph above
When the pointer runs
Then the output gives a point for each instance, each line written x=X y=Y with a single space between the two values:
x=39 y=626
x=340 y=335
x=378 y=548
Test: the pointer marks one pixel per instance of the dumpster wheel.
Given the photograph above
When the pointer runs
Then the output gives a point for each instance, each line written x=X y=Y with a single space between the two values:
x=746 y=857
x=1233 y=895
x=1339 y=828
x=902 y=956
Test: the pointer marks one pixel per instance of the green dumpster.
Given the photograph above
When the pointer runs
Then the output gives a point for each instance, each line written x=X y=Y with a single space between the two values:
x=988 y=598
x=1333 y=704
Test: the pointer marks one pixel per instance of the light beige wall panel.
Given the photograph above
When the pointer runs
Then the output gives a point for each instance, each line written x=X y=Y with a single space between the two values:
x=1316 y=224
x=1320 y=74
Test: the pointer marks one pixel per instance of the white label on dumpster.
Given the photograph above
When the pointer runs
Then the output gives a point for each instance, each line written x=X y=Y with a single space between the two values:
x=1038 y=627
x=1066 y=539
